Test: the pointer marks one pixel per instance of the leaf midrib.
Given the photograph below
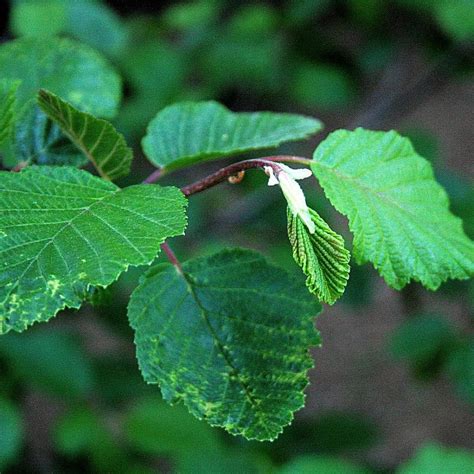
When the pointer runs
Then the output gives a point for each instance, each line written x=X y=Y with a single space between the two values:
x=215 y=336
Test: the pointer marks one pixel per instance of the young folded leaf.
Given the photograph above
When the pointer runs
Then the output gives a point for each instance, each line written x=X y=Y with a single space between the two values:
x=229 y=336
x=63 y=230
x=397 y=211
x=321 y=255
x=96 y=138
x=189 y=132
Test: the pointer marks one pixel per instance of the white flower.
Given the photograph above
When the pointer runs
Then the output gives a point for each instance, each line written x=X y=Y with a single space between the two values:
x=286 y=177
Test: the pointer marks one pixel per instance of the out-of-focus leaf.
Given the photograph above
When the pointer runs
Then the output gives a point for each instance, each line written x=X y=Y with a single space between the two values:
x=191 y=132
x=323 y=86
x=422 y=338
x=366 y=12
x=234 y=62
x=96 y=138
x=40 y=18
x=67 y=68
x=94 y=23
x=299 y=12
x=51 y=360
x=209 y=336
x=11 y=433
x=436 y=459
x=154 y=427
x=320 y=465
x=460 y=368
x=331 y=433
x=83 y=432
x=254 y=21
x=190 y=15
x=156 y=75
x=456 y=17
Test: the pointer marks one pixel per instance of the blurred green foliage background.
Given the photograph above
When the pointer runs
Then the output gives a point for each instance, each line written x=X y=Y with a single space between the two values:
x=393 y=388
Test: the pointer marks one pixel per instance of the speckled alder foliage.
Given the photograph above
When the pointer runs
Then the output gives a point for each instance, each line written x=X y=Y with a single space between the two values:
x=227 y=334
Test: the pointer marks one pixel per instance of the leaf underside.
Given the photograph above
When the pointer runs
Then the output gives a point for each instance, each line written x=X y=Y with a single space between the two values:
x=63 y=230
x=229 y=337
x=96 y=138
x=7 y=108
x=71 y=70
x=322 y=257
x=37 y=141
x=189 y=132
x=397 y=211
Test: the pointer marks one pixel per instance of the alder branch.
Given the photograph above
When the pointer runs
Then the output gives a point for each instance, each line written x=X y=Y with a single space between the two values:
x=231 y=170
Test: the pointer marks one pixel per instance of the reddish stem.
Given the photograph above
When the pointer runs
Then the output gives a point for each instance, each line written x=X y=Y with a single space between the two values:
x=231 y=170
x=171 y=257
x=154 y=177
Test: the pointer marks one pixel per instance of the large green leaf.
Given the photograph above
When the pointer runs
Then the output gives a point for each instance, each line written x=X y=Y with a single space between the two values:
x=397 y=211
x=321 y=255
x=188 y=132
x=96 y=138
x=63 y=230
x=67 y=68
x=7 y=108
x=229 y=336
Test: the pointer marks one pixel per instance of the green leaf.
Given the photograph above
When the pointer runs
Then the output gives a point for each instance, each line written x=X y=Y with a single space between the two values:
x=67 y=68
x=322 y=257
x=188 y=132
x=460 y=369
x=96 y=138
x=36 y=140
x=320 y=85
x=97 y=25
x=7 y=108
x=456 y=17
x=320 y=465
x=50 y=360
x=37 y=18
x=420 y=339
x=81 y=431
x=436 y=459
x=397 y=211
x=63 y=230
x=229 y=336
x=152 y=427
x=11 y=438
x=90 y=21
